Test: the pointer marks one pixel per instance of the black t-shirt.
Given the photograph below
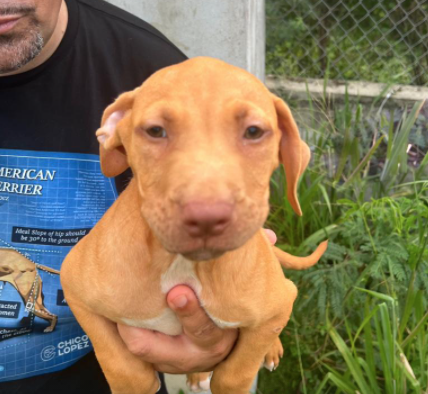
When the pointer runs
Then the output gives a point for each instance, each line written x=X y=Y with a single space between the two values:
x=58 y=105
x=56 y=108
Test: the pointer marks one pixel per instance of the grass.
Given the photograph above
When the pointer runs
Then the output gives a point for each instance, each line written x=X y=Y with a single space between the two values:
x=360 y=323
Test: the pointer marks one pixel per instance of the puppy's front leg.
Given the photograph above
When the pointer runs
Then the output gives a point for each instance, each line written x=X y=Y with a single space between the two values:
x=236 y=374
x=125 y=373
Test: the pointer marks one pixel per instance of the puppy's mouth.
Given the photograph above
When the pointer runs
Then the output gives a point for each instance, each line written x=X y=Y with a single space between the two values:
x=207 y=248
x=201 y=249
x=203 y=254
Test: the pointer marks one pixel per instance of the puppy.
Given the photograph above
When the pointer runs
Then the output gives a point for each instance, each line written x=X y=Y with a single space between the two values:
x=202 y=138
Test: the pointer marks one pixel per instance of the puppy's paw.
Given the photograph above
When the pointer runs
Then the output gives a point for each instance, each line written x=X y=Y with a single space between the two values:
x=274 y=355
x=198 y=382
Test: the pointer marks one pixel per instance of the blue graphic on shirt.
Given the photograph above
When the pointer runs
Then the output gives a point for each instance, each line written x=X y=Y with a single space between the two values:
x=48 y=202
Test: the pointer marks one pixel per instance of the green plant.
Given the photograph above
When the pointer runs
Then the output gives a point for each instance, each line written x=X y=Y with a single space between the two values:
x=355 y=156
x=380 y=247
x=362 y=193
x=378 y=359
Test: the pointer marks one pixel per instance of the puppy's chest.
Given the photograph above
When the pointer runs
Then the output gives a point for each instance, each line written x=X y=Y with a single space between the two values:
x=181 y=272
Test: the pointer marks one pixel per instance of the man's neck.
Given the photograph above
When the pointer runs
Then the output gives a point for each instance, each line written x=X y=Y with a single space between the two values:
x=52 y=44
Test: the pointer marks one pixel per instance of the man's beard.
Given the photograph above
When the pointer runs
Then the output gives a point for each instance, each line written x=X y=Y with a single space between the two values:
x=18 y=49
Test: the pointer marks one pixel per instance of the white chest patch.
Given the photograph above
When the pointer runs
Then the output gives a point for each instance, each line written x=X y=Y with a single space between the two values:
x=181 y=272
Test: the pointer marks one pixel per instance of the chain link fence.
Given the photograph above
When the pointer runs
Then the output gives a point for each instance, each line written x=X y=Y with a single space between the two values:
x=355 y=40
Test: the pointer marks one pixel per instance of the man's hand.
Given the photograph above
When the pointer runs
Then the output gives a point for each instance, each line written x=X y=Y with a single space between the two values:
x=201 y=346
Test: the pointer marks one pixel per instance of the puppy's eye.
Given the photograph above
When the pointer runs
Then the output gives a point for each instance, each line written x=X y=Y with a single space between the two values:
x=156 y=132
x=253 y=133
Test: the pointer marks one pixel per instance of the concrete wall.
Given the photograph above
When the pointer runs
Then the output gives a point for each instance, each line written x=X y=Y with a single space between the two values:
x=231 y=30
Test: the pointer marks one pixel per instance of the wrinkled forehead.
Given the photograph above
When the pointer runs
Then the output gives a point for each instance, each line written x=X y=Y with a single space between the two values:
x=208 y=82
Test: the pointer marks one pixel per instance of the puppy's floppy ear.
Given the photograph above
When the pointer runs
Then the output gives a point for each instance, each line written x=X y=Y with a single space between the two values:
x=294 y=154
x=116 y=118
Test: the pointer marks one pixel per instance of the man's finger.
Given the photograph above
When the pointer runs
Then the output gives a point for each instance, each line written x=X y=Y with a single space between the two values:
x=170 y=354
x=200 y=329
x=271 y=236
x=153 y=347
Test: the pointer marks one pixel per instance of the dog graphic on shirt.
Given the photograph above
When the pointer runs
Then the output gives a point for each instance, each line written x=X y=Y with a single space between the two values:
x=23 y=275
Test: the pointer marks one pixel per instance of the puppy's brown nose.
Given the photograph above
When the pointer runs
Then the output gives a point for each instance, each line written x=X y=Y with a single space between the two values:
x=202 y=219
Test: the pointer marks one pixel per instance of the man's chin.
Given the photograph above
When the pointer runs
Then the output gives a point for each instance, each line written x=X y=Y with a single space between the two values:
x=18 y=50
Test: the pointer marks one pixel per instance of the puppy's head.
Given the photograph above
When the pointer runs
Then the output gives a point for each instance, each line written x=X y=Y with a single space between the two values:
x=202 y=138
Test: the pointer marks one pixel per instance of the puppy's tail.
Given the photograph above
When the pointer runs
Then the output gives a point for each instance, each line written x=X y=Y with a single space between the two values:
x=47 y=269
x=300 y=263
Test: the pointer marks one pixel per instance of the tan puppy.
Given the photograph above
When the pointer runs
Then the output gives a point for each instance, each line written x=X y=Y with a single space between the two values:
x=202 y=139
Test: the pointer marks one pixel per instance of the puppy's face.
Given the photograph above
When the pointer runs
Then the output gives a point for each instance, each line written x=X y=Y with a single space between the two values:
x=202 y=139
